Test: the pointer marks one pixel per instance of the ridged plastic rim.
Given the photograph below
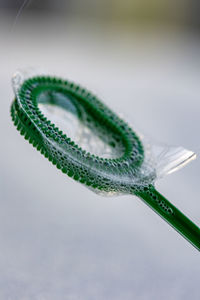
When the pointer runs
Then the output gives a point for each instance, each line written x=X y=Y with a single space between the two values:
x=31 y=123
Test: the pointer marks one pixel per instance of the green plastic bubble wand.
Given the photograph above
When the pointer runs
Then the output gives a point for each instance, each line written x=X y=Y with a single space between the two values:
x=124 y=174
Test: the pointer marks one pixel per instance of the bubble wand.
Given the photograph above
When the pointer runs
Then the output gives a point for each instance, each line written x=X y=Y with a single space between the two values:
x=124 y=173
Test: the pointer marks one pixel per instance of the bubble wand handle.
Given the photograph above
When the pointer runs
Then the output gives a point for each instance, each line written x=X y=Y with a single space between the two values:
x=171 y=215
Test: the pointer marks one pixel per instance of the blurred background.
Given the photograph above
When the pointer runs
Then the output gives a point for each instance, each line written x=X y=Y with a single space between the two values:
x=58 y=239
x=182 y=12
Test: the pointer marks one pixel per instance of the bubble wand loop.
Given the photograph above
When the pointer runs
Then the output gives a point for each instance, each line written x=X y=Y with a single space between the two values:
x=123 y=174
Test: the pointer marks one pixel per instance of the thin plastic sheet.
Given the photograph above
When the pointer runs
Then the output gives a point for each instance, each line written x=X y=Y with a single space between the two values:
x=159 y=159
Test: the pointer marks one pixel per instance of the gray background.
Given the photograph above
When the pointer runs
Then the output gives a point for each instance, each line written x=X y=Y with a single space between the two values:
x=58 y=239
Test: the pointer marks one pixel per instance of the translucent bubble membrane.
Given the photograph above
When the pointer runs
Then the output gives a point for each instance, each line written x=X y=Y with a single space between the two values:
x=89 y=140
x=61 y=109
x=165 y=159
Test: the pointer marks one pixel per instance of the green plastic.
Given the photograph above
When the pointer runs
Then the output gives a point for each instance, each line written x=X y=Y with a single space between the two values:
x=123 y=174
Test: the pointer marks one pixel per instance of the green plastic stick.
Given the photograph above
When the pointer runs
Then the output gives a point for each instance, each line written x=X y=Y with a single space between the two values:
x=125 y=173
x=172 y=215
